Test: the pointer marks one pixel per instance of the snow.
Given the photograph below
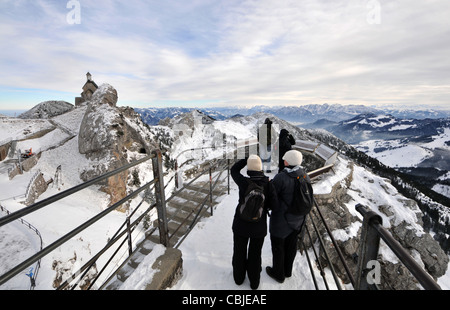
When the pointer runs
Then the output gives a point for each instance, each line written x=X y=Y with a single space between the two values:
x=207 y=254
x=340 y=171
x=61 y=217
x=144 y=273
x=402 y=127
x=395 y=153
x=379 y=192
x=378 y=121
x=440 y=141
x=206 y=251
x=17 y=129
x=442 y=189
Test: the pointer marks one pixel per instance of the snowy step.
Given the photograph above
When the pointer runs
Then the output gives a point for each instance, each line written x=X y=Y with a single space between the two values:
x=205 y=188
x=196 y=197
x=177 y=206
x=130 y=265
x=180 y=211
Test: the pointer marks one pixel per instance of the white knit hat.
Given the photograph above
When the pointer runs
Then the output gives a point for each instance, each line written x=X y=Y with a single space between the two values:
x=254 y=163
x=294 y=158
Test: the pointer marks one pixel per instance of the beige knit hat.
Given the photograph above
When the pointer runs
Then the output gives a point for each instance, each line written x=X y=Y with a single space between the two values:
x=294 y=158
x=254 y=163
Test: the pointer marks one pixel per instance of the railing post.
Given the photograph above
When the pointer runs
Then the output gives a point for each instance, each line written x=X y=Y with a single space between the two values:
x=160 y=197
x=176 y=173
x=130 y=243
x=368 y=247
x=228 y=175
x=210 y=190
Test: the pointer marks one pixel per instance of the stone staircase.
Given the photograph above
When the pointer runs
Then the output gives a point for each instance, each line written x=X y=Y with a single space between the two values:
x=181 y=211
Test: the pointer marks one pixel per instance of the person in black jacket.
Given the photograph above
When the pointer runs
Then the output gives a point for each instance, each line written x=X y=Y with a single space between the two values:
x=284 y=226
x=285 y=141
x=247 y=255
x=267 y=136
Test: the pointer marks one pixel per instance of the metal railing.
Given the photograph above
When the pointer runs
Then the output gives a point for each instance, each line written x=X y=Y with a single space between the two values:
x=32 y=275
x=314 y=217
x=372 y=231
x=219 y=167
x=157 y=181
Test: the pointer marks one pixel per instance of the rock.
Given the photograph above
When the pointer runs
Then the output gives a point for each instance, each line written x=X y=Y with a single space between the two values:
x=107 y=136
x=411 y=236
x=105 y=94
x=47 y=109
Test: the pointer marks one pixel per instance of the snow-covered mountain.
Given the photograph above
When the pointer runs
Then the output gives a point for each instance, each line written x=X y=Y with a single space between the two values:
x=94 y=138
x=152 y=116
x=382 y=126
x=418 y=147
x=294 y=114
x=47 y=109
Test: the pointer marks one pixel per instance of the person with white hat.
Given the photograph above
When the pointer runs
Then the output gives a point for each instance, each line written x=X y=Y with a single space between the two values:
x=285 y=226
x=248 y=236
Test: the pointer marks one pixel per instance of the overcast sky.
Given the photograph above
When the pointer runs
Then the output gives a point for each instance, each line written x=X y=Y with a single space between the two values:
x=227 y=52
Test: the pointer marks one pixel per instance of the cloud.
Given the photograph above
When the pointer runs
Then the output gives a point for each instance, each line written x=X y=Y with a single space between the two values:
x=232 y=52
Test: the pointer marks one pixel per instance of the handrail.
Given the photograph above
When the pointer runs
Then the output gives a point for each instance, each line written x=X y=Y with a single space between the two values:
x=25 y=211
x=197 y=215
x=338 y=250
x=373 y=227
x=155 y=156
x=318 y=214
x=38 y=264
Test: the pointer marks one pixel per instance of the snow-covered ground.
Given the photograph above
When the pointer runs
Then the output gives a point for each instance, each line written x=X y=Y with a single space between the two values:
x=207 y=250
x=396 y=153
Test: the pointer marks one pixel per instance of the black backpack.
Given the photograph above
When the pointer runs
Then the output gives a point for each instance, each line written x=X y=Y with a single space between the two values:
x=303 y=200
x=252 y=209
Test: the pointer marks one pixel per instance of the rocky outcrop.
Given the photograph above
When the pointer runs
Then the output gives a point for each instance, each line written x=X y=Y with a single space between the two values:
x=105 y=94
x=346 y=228
x=37 y=187
x=109 y=137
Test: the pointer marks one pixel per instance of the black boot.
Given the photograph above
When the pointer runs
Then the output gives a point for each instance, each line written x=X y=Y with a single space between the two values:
x=270 y=273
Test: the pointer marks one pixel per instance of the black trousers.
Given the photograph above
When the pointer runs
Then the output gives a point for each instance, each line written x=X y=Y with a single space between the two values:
x=247 y=259
x=283 y=255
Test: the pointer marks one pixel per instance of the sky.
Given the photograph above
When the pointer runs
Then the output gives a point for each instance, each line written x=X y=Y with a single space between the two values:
x=203 y=53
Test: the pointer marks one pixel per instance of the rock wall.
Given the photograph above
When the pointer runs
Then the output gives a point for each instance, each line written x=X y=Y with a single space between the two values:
x=4 y=150
x=37 y=188
x=107 y=137
x=346 y=228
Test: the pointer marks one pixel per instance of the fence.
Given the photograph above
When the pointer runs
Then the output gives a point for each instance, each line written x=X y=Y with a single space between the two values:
x=158 y=181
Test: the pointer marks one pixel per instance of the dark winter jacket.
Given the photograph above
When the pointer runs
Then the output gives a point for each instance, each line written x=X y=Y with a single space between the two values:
x=286 y=140
x=266 y=133
x=283 y=223
x=243 y=228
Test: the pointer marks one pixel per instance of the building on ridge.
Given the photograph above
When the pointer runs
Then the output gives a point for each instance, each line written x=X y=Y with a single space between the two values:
x=88 y=90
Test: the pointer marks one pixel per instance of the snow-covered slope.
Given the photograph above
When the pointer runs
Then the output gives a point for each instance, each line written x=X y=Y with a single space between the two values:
x=206 y=261
x=208 y=250
x=47 y=109
x=58 y=144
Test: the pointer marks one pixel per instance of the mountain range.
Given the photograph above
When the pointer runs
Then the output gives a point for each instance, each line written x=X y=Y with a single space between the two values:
x=293 y=114
x=416 y=142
